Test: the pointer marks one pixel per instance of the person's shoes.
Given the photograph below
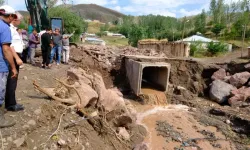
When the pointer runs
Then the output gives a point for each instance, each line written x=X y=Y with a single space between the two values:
x=57 y=64
x=43 y=66
x=47 y=67
x=17 y=107
x=21 y=67
x=4 y=123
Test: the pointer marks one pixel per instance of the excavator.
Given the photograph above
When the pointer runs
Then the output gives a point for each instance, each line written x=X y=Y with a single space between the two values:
x=38 y=10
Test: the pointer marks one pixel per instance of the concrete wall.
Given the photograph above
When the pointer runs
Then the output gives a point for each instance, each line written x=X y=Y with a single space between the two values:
x=133 y=72
x=156 y=73
x=169 y=48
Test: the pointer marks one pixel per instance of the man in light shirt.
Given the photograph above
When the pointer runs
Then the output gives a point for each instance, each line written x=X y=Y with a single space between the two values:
x=66 y=47
x=17 y=49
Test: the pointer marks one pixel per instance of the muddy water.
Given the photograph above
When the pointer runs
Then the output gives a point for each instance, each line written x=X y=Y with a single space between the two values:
x=182 y=121
x=153 y=96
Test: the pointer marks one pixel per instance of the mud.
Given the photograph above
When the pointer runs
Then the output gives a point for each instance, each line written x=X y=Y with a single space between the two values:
x=83 y=60
x=196 y=124
x=153 y=97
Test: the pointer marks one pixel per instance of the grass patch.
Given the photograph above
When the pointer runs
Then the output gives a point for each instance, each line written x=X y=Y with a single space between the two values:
x=94 y=27
x=115 y=41
x=238 y=43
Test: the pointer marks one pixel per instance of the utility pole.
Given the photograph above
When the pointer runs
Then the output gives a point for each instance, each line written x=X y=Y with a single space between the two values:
x=173 y=35
x=183 y=31
x=243 y=39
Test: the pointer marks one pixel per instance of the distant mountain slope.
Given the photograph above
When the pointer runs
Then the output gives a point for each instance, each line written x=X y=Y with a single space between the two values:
x=92 y=11
x=96 y=12
x=24 y=13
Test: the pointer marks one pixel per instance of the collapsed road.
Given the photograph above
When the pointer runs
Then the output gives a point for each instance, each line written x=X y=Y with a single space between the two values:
x=126 y=98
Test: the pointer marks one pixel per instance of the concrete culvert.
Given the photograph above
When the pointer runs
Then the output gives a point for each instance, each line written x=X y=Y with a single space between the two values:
x=155 y=77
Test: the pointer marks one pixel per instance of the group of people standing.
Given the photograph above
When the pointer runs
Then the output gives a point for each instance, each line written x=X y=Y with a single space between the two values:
x=16 y=47
x=54 y=43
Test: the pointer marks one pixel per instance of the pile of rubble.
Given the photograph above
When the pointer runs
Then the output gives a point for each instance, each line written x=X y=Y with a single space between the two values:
x=107 y=55
x=145 y=52
x=105 y=108
x=232 y=89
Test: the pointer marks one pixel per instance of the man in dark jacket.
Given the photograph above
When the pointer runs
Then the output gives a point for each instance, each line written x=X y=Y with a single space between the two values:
x=47 y=42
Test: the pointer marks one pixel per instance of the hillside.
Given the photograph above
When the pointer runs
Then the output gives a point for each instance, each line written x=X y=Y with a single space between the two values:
x=24 y=13
x=93 y=12
x=96 y=12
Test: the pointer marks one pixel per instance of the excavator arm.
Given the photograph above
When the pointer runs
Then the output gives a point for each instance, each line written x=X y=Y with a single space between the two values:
x=38 y=13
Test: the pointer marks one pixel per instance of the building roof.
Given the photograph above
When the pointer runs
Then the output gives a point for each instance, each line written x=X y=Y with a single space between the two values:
x=93 y=39
x=194 y=38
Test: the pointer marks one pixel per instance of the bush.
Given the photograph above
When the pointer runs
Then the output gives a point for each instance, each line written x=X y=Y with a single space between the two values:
x=72 y=22
x=100 y=34
x=215 y=48
x=136 y=33
x=196 y=47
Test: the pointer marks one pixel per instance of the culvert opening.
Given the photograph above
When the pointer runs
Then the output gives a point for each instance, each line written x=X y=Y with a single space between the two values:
x=154 y=84
x=154 y=78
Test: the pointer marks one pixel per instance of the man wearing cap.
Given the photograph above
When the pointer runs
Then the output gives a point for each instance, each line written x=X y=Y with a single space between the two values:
x=7 y=15
x=17 y=49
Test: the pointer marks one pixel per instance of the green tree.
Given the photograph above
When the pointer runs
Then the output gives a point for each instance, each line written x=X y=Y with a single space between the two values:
x=136 y=33
x=213 y=9
x=2 y=2
x=104 y=28
x=124 y=30
x=220 y=11
x=217 y=29
x=51 y=3
x=200 y=22
x=72 y=22
x=245 y=20
x=216 y=48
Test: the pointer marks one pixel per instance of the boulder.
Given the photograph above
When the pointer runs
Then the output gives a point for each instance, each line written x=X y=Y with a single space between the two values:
x=19 y=142
x=123 y=121
x=92 y=90
x=219 y=75
x=247 y=66
x=226 y=79
x=123 y=133
x=88 y=95
x=110 y=99
x=83 y=83
x=220 y=90
x=239 y=79
x=142 y=146
x=79 y=75
x=239 y=95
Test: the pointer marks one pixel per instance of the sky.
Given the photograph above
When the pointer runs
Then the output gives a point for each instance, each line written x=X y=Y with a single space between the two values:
x=173 y=8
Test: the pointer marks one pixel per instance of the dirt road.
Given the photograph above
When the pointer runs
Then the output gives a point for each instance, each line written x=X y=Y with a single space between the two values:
x=226 y=58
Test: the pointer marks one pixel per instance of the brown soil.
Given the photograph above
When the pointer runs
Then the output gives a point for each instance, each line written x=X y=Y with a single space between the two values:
x=83 y=60
x=173 y=126
x=41 y=118
x=154 y=97
x=169 y=127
